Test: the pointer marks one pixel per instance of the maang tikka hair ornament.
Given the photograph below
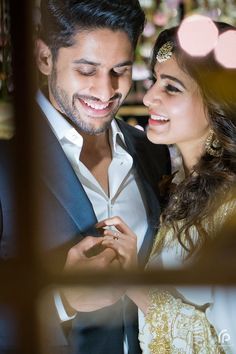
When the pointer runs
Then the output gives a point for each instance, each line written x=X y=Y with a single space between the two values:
x=165 y=52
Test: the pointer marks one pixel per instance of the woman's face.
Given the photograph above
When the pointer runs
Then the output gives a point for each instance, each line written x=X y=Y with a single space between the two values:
x=176 y=109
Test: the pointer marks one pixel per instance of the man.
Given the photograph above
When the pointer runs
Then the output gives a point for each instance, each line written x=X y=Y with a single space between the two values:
x=91 y=165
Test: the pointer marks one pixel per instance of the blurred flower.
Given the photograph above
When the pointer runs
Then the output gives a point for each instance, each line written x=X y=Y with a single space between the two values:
x=140 y=72
x=160 y=18
x=149 y=29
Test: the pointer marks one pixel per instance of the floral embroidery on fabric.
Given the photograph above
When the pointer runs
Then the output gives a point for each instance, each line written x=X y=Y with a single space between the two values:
x=179 y=328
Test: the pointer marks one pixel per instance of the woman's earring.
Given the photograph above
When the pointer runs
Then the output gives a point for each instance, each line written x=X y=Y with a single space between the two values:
x=212 y=145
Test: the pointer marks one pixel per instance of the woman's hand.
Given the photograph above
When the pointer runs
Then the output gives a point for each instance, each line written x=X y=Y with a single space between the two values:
x=122 y=240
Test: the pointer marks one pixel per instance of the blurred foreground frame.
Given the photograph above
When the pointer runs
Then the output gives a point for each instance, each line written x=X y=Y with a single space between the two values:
x=25 y=278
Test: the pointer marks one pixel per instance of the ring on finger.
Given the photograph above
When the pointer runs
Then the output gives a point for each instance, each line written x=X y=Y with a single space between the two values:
x=116 y=235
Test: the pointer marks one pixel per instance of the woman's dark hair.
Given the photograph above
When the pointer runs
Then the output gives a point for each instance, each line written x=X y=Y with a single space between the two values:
x=212 y=179
x=62 y=19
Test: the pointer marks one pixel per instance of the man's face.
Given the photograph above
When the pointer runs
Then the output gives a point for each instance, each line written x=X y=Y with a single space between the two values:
x=89 y=80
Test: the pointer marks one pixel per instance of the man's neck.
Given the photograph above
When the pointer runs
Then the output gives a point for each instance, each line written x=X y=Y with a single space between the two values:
x=96 y=155
x=95 y=142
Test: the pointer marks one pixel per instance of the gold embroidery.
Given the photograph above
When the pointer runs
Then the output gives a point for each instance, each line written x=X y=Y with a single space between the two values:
x=165 y=238
x=179 y=328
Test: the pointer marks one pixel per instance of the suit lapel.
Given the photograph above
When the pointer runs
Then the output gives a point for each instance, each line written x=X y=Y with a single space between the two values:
x=136 y=149
x=60 y=178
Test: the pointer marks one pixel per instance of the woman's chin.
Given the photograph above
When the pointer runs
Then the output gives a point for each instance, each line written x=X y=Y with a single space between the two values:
x=154 y=137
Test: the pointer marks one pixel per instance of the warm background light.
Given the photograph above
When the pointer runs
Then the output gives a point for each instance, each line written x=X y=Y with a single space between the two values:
x=225 y=51
x=198 y=35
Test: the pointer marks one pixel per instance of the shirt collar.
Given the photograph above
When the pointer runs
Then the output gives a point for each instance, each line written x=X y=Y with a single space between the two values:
x=60 y=126
x=64 y=130
x=116 y=138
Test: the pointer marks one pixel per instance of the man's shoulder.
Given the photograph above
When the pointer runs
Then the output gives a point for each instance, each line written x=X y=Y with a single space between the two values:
x=125 y=127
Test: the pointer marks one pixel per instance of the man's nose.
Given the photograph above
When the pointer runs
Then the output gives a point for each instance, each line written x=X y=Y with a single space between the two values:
x=103 y=88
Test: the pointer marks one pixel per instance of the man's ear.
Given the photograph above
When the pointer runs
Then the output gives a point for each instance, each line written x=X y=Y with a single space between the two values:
x=43 y=57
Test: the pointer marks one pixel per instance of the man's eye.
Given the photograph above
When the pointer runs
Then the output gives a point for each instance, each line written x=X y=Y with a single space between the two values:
x=171 y=89
x=86 y=72
x=120 y=72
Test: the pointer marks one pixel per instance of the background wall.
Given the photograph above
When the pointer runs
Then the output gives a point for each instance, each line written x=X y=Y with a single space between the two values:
x=160 y=14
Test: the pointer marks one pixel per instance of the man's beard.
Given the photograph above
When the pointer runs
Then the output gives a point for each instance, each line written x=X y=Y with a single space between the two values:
x=70 y=111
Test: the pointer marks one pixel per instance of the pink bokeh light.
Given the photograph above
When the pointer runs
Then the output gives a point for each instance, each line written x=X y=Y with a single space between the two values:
x=198 y=35
x=225 y=51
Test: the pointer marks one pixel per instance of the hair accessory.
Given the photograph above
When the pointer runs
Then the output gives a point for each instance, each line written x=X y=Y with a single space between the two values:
x=165 y=52
x=212 y=145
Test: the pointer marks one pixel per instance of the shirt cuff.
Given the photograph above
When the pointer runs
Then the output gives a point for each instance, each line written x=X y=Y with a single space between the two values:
x=61 y=309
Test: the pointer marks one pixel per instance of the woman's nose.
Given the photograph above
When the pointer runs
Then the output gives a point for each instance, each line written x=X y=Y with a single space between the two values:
x=152 y=96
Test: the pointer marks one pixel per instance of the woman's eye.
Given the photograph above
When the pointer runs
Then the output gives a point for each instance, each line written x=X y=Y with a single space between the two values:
x=171 y=89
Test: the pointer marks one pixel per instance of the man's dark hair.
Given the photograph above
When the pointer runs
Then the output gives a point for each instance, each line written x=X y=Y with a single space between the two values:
x=62 y=19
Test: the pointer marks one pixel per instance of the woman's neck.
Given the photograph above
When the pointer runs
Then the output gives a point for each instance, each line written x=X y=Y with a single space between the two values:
x=191 y=153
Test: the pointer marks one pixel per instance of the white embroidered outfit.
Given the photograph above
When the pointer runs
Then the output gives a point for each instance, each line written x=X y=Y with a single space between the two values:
x=177 y=319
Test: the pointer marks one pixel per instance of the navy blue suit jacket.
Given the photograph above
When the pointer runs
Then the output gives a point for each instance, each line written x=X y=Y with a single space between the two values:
x=67 y=216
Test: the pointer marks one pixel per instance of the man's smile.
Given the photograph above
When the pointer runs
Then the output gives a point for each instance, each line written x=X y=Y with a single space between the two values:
x=95 y=108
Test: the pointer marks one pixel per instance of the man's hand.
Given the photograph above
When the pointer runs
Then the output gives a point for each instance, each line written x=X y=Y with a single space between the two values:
x=85 y=256
x=81 y=258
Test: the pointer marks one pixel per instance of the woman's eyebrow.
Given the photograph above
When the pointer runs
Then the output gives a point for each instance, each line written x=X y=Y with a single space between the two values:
x=165 y=76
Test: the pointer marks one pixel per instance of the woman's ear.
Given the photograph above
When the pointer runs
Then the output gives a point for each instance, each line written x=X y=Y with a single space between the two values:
x=43 y=57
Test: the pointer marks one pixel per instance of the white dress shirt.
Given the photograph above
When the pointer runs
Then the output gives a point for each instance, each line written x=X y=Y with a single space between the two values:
x=125 y=198
x=125 y=195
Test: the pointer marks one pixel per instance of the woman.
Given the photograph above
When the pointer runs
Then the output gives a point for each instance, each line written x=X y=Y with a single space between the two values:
x=192 y=104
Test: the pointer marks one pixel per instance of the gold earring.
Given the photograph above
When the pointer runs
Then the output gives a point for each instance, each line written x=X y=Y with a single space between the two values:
x=212 y=145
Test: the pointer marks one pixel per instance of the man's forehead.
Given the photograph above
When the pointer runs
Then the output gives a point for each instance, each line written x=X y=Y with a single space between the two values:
x=98 y=47
x=101 y=37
